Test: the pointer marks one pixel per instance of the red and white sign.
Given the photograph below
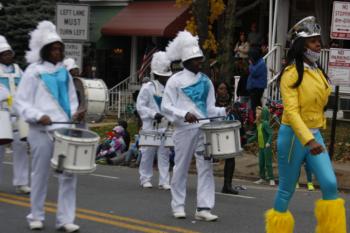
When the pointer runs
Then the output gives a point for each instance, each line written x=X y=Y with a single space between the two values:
x=340 y=27
x=339 y=66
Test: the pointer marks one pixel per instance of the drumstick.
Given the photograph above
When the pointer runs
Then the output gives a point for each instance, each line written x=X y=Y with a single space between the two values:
x=209 y=118
x=64 y=122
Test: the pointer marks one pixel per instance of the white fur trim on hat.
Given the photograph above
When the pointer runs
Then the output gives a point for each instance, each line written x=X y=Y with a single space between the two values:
x=160 y=64
x=4 y=45
x=70 y=64
x=185 y=46
x=45 y=33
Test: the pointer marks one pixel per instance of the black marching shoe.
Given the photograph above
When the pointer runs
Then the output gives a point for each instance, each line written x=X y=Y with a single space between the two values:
x=229 y=190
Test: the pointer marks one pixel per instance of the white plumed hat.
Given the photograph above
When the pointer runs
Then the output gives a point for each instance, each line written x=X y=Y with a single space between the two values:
x=185 y=46
x=70 y=64
x=4 y=45
x=160 y=64
x=45 y=33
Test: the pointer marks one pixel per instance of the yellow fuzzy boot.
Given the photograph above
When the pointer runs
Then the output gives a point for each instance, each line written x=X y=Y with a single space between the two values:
x=278 y=222
x=330 y=215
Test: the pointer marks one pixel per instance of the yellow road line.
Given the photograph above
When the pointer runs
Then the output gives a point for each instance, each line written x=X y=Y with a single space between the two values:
x=105 y=215
x=87 y=217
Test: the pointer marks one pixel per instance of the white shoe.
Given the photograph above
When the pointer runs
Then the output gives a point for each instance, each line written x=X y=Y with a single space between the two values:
x=36 y=225
x=272 y=183
x=69 y=227
x=165 y=187
x=260 y=181
x=205 y=215
x=22 y=189
x=147 y=185
x=179 y=214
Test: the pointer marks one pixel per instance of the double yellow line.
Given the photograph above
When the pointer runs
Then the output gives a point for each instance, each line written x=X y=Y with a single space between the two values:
x=100 y=217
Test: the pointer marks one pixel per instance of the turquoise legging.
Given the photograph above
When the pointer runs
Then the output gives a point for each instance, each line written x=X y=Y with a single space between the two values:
x=291 y=154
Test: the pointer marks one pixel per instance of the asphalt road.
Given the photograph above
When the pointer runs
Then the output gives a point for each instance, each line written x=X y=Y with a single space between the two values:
x=111 y=200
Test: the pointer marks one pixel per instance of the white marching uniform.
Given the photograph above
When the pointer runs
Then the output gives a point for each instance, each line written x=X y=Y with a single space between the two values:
x=10 y=76
x=147 y=108
x=47 y=89
x=188 y=92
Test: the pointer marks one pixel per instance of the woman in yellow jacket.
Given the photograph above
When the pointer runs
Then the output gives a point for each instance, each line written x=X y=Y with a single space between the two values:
x=305 y=90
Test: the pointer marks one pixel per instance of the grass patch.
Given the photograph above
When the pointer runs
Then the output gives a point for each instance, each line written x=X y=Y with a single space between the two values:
x=102 y=130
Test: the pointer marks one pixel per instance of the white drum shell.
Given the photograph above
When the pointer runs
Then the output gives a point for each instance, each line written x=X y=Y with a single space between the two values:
x=23 y=129
x=6 y=131
x=93 y=96
x=168 y=138
x=80 y=153
x=222 y=139
x=150 y=138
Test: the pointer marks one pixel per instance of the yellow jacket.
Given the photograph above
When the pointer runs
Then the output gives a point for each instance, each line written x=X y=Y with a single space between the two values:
x=304 y=105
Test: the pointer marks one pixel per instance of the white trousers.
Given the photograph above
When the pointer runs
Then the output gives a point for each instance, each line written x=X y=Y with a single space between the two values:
x=42 y=149
x=146 y=165
x=188 y=142
x=20 y=160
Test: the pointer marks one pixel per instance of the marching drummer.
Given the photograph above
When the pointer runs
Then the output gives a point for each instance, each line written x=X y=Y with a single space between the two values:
x=148 y=107
x=189 y=96
x=71 y=66
x=10 y=74
x=74 y=71
x=46 y=94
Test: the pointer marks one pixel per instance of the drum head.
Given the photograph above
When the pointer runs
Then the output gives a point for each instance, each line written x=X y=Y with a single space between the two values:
x=220 y=125
x=79 y=86
x=76 y=133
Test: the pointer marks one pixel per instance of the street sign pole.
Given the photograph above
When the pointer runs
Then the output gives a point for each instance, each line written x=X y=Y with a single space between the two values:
x=334 y=122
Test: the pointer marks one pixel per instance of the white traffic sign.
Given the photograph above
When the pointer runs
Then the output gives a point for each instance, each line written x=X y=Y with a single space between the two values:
x=339 y=66
x=340 y=27
x=72 y=21
x=74 y=50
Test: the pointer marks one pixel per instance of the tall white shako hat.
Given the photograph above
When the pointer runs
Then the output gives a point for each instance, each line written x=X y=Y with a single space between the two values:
x=44 y=34
x=185 y=46
x=4 y=45
x=306 y=27
x=160 y=64
x=70 y=64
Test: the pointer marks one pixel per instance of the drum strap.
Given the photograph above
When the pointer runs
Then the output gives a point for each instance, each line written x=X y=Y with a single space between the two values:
x=57 y=84
x=11 y=79
x=158 y=94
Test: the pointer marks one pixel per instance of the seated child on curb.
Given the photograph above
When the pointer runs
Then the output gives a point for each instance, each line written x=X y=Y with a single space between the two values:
x=112 y=146
x=263 y=136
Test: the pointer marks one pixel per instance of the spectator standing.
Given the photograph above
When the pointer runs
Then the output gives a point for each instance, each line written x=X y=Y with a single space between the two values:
x=224 y=99
x=257 y=79
x=242 y=47
x=254 y=37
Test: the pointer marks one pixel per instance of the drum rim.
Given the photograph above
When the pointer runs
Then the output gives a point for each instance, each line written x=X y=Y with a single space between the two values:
x=221 y=125
x=57 y=135
x=85 y=171
x=240 y=152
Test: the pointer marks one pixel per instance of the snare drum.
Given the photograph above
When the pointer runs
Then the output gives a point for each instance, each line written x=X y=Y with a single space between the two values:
x=222 y=139
x=93 y=96
x=6 y=134
x=150 y=138
x=168 y=138
x=23 y=129
x=74 y=150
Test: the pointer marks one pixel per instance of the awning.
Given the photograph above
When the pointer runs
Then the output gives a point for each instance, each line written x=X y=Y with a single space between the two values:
x=148 y=18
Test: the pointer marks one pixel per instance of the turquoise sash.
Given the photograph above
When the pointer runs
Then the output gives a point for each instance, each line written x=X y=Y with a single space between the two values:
x=198 y=93
x=57 y=84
